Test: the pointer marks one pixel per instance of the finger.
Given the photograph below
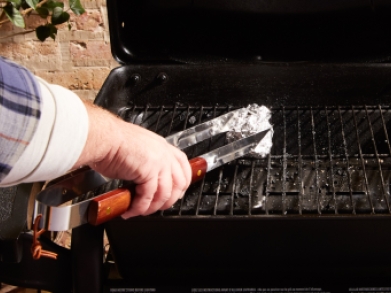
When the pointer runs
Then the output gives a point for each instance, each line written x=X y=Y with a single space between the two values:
x=163 y=192
x=178 y=186
x=145 y=193
x=185 y=166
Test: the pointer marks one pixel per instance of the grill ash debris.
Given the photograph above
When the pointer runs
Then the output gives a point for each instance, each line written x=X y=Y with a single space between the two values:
x=249 y=121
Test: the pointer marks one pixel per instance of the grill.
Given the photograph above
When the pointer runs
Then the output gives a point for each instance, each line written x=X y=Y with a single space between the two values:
x=313 y=215
x=318 y=206
x=329 y=160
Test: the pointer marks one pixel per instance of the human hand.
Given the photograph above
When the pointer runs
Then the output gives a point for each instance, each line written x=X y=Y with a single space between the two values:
x=122 y=150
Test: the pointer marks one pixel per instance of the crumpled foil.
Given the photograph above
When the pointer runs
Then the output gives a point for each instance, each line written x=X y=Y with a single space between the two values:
x=249 y=121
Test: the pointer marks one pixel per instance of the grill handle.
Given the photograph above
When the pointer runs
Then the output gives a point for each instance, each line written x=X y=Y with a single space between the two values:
x=114 y=203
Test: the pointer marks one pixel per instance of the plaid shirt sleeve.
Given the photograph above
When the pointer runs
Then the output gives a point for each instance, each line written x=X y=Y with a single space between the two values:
x=19 y=112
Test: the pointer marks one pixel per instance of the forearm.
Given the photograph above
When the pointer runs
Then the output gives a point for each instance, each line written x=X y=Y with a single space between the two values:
x=101 y=134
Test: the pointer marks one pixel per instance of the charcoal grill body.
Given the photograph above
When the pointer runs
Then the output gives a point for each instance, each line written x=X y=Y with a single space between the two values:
x=213 y=239
x=316 y=212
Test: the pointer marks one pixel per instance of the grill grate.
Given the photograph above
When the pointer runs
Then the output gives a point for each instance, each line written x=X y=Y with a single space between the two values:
x=324 y=161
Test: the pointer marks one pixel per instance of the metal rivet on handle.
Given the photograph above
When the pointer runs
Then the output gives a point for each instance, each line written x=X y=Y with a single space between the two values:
x=108 y=210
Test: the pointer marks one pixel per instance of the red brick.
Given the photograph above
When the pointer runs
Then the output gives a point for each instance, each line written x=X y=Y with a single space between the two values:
x=17 y=50
x=90 y=50
x=78 y=50
x=78 y=79
x=98 y=49
x=90 y=21
x=79 y=60
x=23 y=50
x=49 y=47
x=99 y=76
x=5 y=50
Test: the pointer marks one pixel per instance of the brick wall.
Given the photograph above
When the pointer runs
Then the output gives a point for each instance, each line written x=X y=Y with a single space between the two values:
x=79 y=59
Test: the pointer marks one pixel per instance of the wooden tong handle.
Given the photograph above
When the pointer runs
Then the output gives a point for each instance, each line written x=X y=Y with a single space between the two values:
x=114 y=203
x=198 y=169
x=108 y=206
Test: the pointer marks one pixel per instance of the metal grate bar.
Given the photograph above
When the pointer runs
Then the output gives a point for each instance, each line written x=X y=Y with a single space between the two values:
x=316 y=161
x=169 y=129
x=121 y=113
x=268 y=183
x=187 y=117
x=131 y=114
x=200 y=197
x=331 y=160
x=201 y=113
x=347 y=162
x=214 y=112
x=211 y=139
x=159 y=118
x=362 y=163
x=218 y=192
x=385 y=129
x=144 y=116
x=181 y=205
x=220 y=173
x=231 y=211
x=300 y=163
x=284 y=164
x=384 y=191
x=250 y=201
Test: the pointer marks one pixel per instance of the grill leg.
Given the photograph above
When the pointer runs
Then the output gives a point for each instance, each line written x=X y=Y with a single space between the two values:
x=87 y=259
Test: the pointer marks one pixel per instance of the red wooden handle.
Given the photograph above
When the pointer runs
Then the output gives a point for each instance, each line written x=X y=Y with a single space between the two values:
x=108 y=206
x=198 y=168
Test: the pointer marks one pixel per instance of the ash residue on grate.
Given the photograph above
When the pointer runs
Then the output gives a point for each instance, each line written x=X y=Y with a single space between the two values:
x=7 y=198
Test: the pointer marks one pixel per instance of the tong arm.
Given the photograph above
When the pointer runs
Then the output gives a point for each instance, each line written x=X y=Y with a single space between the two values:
x=203 y=131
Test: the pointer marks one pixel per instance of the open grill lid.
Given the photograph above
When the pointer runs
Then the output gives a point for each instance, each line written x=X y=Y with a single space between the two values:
x=220 y=31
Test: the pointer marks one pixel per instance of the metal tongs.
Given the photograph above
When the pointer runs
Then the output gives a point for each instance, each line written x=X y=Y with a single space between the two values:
x=54 y=205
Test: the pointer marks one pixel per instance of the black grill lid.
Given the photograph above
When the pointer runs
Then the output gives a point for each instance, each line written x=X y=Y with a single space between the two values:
x=252 y=30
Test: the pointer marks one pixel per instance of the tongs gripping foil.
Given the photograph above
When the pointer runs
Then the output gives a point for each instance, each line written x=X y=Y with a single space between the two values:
x=203 y=131
x=58 y=212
